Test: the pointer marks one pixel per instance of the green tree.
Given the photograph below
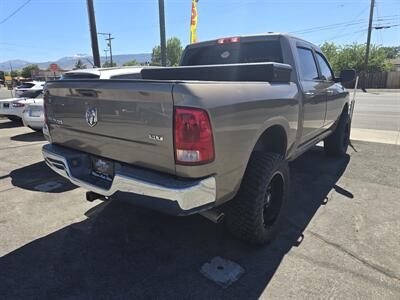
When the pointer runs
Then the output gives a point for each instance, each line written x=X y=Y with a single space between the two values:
x=79 y=65
x=27 y=71
x=331 y=52
x=352 y=57
x=156 y=56
x=108 y=64
x=392 y=52
x=132 y=62
x=15 y=73
x=174 y=53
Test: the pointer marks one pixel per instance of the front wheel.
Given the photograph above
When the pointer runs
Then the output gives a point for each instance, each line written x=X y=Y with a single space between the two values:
x=337 y=143
x=257 y=211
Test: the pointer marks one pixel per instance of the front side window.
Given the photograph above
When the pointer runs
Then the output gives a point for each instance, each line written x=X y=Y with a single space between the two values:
x=325 y=69
x=308 y=68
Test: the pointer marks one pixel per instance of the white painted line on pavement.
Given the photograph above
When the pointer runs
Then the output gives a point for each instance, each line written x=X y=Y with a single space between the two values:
x=376 y=136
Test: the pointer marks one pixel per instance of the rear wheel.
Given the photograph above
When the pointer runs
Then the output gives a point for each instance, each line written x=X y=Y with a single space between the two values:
x=337 y=143
x=257 y=211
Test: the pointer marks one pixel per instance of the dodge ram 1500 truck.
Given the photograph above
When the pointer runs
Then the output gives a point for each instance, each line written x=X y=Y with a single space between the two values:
x=212 y=136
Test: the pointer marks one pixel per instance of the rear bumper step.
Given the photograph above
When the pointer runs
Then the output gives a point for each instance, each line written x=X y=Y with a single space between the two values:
x=137 y=185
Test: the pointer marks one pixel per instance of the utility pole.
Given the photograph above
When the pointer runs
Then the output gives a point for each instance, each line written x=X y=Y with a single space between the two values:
x=162 y=33
x=109 y=39
x=105 y=51
x=93 y=33
x=371 y=17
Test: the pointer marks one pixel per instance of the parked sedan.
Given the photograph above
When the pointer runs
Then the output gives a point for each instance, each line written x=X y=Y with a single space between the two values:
x=33 y=116
x=12 y=108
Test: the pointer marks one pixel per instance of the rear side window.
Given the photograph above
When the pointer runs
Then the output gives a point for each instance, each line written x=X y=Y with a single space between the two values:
x=326 y=70
x=308 y=68
x=232 y=53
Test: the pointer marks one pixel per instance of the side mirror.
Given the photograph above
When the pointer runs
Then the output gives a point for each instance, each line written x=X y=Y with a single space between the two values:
x=346 y=75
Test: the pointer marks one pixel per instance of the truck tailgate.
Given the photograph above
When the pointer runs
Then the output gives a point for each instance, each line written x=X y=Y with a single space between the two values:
x=125 y=120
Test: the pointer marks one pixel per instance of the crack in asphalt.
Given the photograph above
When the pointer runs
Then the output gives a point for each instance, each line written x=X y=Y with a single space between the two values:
x=374 y=266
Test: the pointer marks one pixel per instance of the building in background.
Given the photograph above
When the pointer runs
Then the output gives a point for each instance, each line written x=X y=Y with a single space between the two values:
x=45 y=75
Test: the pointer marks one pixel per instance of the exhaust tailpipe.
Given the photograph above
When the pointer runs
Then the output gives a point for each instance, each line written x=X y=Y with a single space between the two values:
x=213 y=215
x=91 y=196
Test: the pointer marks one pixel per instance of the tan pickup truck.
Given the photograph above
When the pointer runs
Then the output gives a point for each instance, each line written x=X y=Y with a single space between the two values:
x=212 y=136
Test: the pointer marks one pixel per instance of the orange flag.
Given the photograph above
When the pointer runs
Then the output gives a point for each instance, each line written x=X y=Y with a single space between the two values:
x=193 y=22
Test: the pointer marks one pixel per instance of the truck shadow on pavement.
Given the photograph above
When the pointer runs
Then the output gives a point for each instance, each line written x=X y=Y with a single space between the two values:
x=123 y=252
x=10 y=124
x=38 y=177
x=34 y=136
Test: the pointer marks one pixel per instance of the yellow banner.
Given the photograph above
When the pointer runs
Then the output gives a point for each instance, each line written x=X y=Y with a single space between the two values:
x=193 y=22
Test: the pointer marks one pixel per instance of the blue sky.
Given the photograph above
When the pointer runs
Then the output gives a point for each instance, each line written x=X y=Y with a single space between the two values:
x=46 y=30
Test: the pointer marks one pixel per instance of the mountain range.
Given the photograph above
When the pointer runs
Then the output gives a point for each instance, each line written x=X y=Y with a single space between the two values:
x=68 y=62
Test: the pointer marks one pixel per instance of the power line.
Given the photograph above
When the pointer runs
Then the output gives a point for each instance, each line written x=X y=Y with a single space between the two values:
x=338 y=25
x=14 y=12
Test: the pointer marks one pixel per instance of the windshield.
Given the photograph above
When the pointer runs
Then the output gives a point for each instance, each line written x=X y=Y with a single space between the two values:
x=242 y=52
x=31 y=93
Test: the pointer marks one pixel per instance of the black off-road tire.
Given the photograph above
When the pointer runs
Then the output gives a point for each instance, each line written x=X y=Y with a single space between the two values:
x=247 y=217
x=337 y=143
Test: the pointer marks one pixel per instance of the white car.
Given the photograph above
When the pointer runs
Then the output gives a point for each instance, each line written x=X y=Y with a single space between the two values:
x=26 y=86
x=33 y=115
x=12 y=108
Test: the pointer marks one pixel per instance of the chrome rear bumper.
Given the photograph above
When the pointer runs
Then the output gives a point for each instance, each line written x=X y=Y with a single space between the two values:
x=187 y=196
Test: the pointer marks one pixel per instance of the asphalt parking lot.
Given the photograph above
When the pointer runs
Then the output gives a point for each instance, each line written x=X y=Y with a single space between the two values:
x=341 y=238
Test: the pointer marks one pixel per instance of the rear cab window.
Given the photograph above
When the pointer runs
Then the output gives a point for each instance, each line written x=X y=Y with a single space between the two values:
x=307 y=65
x=234 y=52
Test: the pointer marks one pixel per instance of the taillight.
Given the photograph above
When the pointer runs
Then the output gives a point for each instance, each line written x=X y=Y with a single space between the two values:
x=235 y=39
x=193 y=137
x=18 y=104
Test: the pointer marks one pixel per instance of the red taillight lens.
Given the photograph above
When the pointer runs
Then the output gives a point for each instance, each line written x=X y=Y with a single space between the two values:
x=193 y=137
x=18 y=104
x=235 y=39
